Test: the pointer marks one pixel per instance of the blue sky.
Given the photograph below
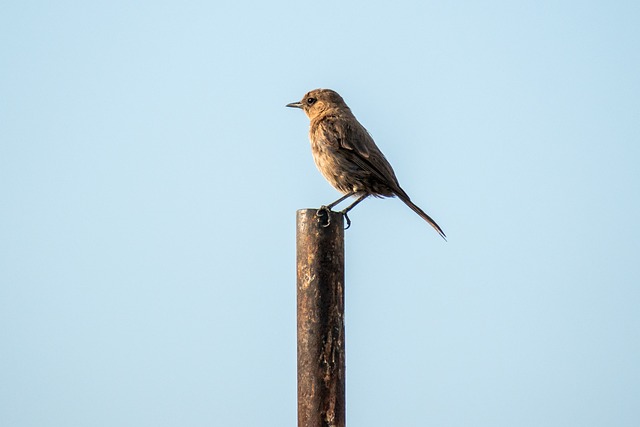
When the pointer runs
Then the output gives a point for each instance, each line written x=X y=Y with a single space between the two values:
x=150 y=174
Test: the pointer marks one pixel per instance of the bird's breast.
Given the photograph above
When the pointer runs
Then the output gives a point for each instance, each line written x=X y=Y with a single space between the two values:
x=333 y=166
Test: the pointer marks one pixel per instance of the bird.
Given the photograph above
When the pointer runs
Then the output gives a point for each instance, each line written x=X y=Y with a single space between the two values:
x=346 y=155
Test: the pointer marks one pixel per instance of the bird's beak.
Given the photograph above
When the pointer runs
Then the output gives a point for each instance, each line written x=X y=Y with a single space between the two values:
x=295 y=105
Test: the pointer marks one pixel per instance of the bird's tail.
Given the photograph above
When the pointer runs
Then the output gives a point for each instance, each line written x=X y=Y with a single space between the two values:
x=407 y=201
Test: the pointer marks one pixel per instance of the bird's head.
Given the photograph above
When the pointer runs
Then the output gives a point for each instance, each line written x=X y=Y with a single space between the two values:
x=320 y=101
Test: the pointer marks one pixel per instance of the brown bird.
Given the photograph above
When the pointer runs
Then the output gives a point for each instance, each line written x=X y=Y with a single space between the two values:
x=346 y=155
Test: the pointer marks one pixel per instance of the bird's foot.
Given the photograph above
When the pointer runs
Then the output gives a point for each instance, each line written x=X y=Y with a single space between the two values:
x=324 y=211
x=346 y=217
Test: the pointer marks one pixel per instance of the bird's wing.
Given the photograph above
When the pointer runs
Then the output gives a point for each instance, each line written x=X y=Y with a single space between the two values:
x=357 y=146
x=353 y=138
x=338 y=132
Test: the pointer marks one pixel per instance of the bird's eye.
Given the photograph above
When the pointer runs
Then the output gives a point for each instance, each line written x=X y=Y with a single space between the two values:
x=311 y=101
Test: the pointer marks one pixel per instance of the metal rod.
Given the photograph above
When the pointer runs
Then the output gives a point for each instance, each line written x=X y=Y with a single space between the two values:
x=320 y=295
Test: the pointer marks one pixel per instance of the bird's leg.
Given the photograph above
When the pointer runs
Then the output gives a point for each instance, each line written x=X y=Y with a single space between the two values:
x=351 y=206
x=331 y=205
x=326 y=209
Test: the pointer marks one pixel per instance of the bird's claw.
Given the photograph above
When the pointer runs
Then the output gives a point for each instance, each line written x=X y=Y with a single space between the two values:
x=346 y=217
x=322 y=212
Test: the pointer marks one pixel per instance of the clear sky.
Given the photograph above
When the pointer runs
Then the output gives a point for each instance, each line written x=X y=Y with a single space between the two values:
x=150 y=175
